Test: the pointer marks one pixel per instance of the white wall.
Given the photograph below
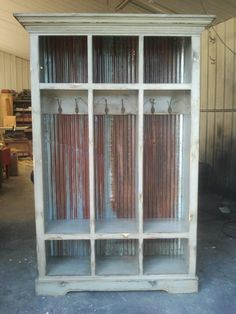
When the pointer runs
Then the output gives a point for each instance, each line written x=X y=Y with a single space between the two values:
x=14 y=72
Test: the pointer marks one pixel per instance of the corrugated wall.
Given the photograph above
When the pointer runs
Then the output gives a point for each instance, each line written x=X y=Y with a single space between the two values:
x=218 y=109
x=14 y=72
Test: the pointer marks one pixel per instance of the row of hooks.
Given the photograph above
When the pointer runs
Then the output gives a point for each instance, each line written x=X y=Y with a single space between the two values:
x=77 y=100
x=170 y=103
x=151 y=100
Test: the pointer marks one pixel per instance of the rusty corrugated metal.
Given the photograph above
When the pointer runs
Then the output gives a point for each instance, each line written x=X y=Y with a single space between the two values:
x=164 y=247
x=66 y=166
x=116 y=248
x=67 y=248
x=164 y=59
x=63 y=59
x=115 y=157
x=115 y=59
x=160 y=174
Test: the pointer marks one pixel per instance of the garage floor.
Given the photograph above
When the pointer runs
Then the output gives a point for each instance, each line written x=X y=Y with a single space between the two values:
x=216 y=265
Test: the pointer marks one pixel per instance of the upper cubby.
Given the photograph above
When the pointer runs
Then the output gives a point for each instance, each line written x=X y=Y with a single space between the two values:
x=167 y=59
x=63 y=59
x=115 y=59
x=64 y=123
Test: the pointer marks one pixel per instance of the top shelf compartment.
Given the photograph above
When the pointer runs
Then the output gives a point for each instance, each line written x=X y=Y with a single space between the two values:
x=115 y=60
x=63 y=59
x=167 y=60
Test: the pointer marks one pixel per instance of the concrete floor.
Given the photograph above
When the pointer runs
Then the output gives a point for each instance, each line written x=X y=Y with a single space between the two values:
x=216 y=265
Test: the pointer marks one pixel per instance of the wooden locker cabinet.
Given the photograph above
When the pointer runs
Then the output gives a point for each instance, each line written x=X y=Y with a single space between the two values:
x=115 y=108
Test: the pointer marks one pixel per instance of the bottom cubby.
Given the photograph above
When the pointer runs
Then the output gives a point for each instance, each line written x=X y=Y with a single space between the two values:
x=165 y=256
x=68 y=258
x=117 y=257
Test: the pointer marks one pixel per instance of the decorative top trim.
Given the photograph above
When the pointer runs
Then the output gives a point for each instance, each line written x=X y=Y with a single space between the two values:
x=114 y=24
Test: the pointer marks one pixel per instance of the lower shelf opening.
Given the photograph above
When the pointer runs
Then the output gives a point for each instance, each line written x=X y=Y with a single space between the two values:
x=116 y=257
x=165 y=256
x=68 y=258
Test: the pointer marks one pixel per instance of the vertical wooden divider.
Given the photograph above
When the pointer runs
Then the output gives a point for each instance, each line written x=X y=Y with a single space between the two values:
x=91 y=152
x=140 y=153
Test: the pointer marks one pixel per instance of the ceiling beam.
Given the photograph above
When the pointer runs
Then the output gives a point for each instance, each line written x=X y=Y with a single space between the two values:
x=162 y=8
x=121 y=5
x=147 y=5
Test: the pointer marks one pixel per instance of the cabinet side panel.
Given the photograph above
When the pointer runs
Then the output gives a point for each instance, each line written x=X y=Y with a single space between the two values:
x=37 y=152
x=194 y=152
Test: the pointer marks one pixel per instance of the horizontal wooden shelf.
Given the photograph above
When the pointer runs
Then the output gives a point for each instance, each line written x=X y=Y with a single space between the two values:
x=115 y=229
x=72 y=226
x=64 y=86
x=22 y=110
x=167 y=86
x=21 y=119
x=117 y=265
x=164 y=265
x=22 y=101
x=165 y=226
x=116 y=226
x=123 y=86
x=68 y=266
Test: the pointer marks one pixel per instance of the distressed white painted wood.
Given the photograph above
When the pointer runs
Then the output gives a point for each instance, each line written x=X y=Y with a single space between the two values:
x=115 y=273
x=91 y=152
x=112 y=24
x=62 y=285
x=118 y=86
x=194 y=152
x=168 y=234
x=37 y=153
x=140 y=152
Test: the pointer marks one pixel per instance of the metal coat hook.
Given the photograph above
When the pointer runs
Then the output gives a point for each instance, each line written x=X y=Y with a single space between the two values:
x=212 y=39
x=122 y=106
x=106 y=107
x=59 y=105
x=152 y=101
x=170 y=105
x=213 y=60
x=76 y=105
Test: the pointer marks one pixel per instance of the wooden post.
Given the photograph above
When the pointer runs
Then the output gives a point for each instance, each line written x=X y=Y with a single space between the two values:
x=140 y=154
x=194 y=152
x=91 y=152
x=38 y=154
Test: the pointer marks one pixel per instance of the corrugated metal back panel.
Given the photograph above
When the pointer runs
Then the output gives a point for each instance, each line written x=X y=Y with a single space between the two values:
x=218 y=109
x=14 y=72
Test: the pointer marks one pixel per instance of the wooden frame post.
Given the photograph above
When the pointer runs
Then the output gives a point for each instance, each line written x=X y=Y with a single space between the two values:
x=140 y=152
x=194 y=154
x=38 y=154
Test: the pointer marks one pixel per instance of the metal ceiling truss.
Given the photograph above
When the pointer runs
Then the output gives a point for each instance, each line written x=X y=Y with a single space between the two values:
x=150 y=6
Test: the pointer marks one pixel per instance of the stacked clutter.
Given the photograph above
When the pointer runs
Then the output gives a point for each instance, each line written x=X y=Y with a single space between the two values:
x=13 y=140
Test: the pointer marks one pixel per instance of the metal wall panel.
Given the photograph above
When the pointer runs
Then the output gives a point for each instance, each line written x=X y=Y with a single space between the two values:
x=14 y=72
x=218 y=109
